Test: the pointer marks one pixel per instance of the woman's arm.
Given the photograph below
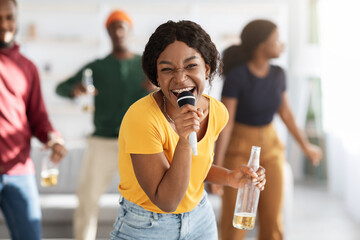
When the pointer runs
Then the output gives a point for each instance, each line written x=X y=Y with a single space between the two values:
x=226 y=177
x=163 y=183
x=166 y=184
x=222 y=176
x=313 y=152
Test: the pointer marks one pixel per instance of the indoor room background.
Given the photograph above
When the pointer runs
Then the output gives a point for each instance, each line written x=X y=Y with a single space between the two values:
x=321 y=59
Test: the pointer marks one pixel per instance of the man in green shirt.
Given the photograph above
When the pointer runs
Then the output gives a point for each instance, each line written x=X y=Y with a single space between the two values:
x=119 y=81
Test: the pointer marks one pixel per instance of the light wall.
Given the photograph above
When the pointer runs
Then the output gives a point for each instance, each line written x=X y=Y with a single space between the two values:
x=61 y=36
x=64 y=35
x=340 y=64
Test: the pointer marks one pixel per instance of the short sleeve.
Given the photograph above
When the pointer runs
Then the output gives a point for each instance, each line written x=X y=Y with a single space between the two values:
x=222 y=117
x=139 y=132
x=282 y=77
x=231 y=86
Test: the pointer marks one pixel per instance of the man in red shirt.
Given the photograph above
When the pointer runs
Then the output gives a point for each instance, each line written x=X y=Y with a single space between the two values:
x=22 y=115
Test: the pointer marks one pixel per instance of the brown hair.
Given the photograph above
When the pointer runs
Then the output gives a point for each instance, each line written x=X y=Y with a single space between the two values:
x=253 y=34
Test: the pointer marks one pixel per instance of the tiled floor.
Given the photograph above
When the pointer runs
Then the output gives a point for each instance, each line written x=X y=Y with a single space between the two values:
x=319 y=216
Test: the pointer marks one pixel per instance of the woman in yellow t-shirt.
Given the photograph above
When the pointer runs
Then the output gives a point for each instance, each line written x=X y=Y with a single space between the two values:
x=161 y=182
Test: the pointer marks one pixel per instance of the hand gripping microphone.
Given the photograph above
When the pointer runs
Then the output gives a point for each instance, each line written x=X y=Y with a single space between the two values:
x=188 y=98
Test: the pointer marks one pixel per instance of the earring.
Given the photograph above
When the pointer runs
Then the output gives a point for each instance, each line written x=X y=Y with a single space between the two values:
x=207 y=78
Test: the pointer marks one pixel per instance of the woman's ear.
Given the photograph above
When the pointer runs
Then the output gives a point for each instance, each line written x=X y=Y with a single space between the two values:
x=207 y=71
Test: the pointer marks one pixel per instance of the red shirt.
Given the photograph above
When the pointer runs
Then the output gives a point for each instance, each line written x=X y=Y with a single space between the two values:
x=22 y=112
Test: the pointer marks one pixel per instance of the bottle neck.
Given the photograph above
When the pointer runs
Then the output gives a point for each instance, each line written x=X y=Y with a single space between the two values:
x=254 y=160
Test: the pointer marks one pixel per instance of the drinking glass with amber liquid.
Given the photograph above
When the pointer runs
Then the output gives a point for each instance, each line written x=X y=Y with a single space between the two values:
x=49 y=171
x=248 y=196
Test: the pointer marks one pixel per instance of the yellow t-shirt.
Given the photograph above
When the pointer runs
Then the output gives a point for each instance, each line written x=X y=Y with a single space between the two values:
x=145 y=130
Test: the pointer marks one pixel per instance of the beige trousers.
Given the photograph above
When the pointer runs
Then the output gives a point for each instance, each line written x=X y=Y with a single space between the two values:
x=99 y=166
x=269 y=215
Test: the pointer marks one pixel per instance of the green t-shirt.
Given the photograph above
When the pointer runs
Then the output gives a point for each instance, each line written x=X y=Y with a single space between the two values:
x=119 y=84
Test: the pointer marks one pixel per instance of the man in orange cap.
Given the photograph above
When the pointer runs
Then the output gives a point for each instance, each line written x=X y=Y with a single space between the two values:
x=119 y=82
x=118 y=15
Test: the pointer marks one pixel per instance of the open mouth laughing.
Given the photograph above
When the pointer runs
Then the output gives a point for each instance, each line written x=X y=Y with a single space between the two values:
x=176 y=92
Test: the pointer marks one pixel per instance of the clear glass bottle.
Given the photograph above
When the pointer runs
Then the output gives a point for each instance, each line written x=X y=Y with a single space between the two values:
x=87 y=81
x=248 y=196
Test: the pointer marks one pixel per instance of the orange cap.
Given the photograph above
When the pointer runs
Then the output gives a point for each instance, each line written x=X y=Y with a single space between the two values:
x=118 y=15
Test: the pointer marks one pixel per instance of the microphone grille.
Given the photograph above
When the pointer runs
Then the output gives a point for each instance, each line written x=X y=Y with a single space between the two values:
x=186 y=98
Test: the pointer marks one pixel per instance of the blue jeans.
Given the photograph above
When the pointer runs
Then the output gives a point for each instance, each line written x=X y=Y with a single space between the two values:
x=19 y=202
x=134 y=222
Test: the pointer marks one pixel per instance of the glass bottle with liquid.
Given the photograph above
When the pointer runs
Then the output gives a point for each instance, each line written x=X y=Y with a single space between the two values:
x=248 y=196
x=88 y=98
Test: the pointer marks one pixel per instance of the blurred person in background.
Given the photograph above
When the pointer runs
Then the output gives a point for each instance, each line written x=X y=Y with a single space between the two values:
x=254 y=91
x=22 y=115
x=119 y=81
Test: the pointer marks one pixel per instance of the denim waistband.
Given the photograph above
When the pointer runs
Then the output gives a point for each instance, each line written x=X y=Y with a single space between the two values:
x=133 y=207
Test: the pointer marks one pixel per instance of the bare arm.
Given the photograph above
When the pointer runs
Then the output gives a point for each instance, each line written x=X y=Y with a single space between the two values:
x=166 y=184
x=163 y=183
x=313 y=152
x=226 y=177
x=222 y=176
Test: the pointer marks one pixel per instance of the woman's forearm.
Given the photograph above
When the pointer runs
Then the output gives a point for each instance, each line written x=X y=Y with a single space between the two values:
x=218 y=175
x=175 y=181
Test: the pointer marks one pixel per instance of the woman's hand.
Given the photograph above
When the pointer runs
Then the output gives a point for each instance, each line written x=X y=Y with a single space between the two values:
x=314 y=153
x=237 y=175
x=187 y=120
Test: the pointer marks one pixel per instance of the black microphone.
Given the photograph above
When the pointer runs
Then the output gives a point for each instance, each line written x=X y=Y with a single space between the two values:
x=188 y=98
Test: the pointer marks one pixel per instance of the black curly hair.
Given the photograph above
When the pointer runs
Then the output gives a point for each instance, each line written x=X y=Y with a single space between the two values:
x=185 y=31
